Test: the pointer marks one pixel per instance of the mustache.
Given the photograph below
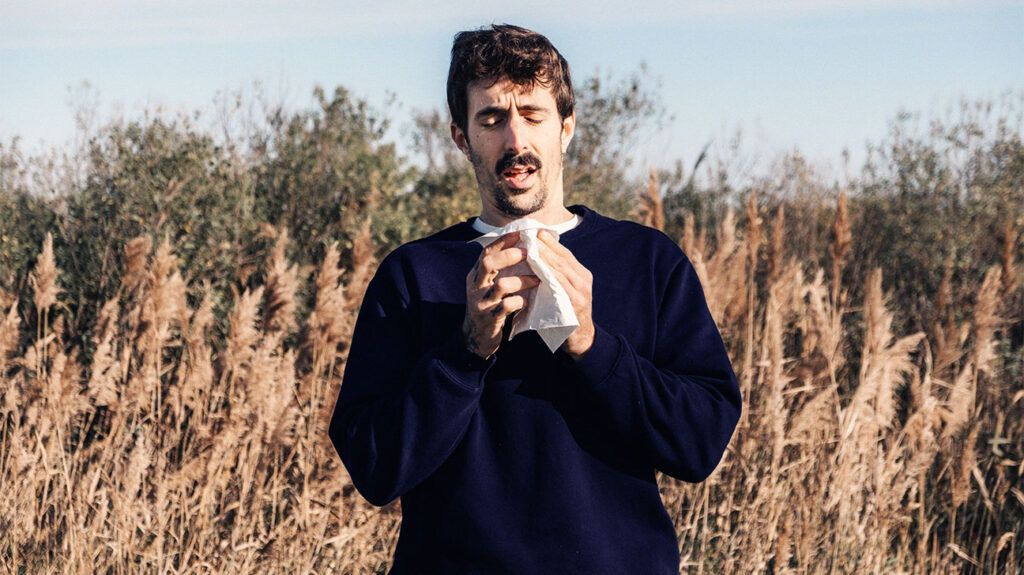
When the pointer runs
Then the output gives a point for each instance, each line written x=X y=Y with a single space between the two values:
x=511 y=160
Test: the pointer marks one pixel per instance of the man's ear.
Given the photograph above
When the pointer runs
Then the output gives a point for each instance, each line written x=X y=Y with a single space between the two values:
x=568 y=130
x=459 y=138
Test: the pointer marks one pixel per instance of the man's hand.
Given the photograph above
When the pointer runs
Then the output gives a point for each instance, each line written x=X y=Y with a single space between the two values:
x=578 y=283
x=489 y=299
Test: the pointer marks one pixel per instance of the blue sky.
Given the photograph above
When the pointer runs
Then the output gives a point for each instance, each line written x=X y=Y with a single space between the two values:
x=815 y=75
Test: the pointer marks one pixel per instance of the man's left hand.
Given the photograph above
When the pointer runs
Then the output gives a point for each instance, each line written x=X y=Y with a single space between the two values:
x=578 y=283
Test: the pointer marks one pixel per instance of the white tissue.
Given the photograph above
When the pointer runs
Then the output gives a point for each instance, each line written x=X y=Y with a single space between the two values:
x=548 y=310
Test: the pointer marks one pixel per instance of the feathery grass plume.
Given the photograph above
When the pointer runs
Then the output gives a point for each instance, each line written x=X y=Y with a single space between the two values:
x=776 y=248
x=775 y=376
x=283 y=412
x=364 y=263
x=44 y=277
x=921 y=443
x=902 y=474
x=949 y=347
x=691 y=242
x=871 y=412
x=815 y=423
x=986 y=320
x=884 y=361
x=277 y=408
x=752 y=236
x=960 y=402
x=43 y=280
x=168 y=308
x=726 y=236
x=134 y=481
x=826 y=326
x=697 y=260
x=724 y=270
x=199 y=373
x=281 y=285
x=919 y=440
x=163 y=313
x=1007 y=255
x=258 y=381
x=686 y=242
x=960 y=481
x=10 y=325
x=752 y=242
x=923 y=386
x=947 y=336
x=841 y=238
x=650 y=210
x=62 y=393
x=102 y=387
x=326 y=338
x=219 y=466
x=328 y=323
x=769 y=433
x=244 y=334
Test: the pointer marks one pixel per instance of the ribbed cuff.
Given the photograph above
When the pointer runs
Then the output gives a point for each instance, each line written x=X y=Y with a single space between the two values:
x=600 y=360
x=465 y=367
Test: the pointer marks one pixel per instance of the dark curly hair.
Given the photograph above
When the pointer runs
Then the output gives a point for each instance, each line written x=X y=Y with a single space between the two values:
x=504 y=51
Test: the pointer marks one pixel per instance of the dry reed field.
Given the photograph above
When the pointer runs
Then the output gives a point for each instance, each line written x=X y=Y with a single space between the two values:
x=172 y=450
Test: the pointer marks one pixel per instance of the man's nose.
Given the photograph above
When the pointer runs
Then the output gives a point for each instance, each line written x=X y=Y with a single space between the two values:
x=515 y=134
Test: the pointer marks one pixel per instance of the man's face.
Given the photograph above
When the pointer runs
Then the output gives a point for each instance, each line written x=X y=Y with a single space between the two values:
x=516 y=141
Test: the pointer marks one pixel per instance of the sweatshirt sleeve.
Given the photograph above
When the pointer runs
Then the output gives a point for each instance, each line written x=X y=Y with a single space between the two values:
x=681 y=408
x=400 y=413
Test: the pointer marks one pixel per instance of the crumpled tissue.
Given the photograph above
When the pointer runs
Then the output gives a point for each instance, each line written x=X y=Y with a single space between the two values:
x=548 y=308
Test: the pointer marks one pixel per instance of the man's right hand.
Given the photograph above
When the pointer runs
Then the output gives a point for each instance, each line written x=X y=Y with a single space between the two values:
x=489 y=299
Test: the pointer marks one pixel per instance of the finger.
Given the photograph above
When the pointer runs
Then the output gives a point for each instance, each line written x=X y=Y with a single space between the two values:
x=511 y=304
x=570 y=269
x=506 y=241
x=495 y=262
x=579 y=298
x=479 y=273
x=509 y=285
x=551 y=241
x=550 y=238
x=563 y=281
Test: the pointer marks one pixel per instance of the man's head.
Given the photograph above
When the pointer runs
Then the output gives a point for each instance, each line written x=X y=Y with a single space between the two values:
x=511 y=101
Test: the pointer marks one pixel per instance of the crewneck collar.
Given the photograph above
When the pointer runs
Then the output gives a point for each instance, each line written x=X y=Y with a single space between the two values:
x=484 y=228
x=588 y=221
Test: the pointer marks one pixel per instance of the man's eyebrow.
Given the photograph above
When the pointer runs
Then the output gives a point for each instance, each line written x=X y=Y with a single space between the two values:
x=532 y=108
x=499 y=110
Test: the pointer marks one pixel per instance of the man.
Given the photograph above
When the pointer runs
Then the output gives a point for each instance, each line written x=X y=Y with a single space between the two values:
x=509 y=458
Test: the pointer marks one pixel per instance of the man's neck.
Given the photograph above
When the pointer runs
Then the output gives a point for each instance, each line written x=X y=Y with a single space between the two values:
x=551 y=215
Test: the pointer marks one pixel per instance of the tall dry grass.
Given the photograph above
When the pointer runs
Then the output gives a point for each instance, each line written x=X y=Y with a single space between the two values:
x=183 y=448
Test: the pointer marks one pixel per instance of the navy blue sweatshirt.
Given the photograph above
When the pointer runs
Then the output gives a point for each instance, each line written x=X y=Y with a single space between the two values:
x=532 y=462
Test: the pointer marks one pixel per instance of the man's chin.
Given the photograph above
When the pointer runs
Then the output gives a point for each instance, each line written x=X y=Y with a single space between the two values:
x=519 y=205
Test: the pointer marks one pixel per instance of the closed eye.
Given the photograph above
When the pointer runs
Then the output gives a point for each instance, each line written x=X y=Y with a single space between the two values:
x=492 y=121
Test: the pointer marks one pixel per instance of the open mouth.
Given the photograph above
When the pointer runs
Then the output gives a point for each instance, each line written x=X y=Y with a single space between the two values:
x=519 y=176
